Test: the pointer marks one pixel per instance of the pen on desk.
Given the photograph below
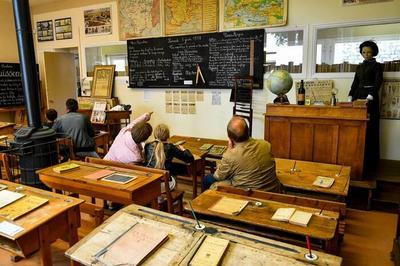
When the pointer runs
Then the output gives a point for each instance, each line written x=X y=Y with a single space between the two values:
x=194 y=215
x=309 y=245
x=340 y=171
x=294 y=167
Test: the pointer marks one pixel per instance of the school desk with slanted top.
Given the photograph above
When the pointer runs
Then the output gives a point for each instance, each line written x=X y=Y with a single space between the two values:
x=257 y=220
x=300 y=180
x=184 y=241
x=143 y=190
x=193 y=144
x=58 y=218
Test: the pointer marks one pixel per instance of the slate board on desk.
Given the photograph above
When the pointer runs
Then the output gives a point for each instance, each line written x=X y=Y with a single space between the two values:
x=11 y=93
x=168 y=62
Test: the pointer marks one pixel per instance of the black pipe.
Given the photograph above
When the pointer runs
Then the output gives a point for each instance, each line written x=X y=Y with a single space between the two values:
x=30 y=81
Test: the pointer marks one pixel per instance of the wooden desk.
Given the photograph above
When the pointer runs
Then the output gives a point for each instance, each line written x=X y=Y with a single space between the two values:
x=306 y=172
x=321 y=228
x=59 y=218
x=325 y=134
x=6 y=128
x=143 y=190
x=102 y=140
x=184 y=241
x=193 y=144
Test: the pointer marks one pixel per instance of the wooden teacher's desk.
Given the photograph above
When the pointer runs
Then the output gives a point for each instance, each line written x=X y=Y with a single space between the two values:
x=184 y=242
x=257 y=219
x=58 y=218
x=325 y=134
x=193 y=144
x=302 y=177
x=142 y=190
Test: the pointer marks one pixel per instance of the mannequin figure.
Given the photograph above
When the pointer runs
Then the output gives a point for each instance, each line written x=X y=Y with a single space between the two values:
x=367 y=82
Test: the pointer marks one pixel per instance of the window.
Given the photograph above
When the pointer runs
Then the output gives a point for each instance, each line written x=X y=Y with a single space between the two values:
x=337 y=47
x=284 y=50
x=107 y=55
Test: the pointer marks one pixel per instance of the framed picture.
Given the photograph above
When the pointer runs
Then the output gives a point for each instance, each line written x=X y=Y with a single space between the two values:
x=358 y=2
x=98 y=21
x=103 y=81
x=63 y=27
x=44 y=31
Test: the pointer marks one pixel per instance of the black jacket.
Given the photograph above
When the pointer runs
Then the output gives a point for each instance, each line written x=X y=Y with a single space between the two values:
x=171 y=151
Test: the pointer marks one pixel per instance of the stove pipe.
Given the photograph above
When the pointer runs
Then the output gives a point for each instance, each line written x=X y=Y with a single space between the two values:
x=30 y=82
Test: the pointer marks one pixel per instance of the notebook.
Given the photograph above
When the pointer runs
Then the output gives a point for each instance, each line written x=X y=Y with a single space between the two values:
x=323 y=181
x=210 y=252
x=229 y=206
x=65 y=167
x=292 y=216
x=7 y=197
x=134 y=246
x=119 y=178
x=21 y=207
x=205 y=146
x=217 y=150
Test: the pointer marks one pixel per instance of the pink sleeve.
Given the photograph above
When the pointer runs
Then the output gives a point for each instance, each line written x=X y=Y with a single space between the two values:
x=143 y=118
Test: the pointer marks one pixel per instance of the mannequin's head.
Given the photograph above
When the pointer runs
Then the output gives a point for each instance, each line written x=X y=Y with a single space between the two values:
x=369 y=50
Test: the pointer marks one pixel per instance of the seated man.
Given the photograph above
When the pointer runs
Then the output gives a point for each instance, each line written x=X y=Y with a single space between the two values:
x=127 y=146
x=78 y=127
x=247 y=163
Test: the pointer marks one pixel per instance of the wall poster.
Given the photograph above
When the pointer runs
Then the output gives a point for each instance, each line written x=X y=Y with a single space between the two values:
x=63 y=28
x=98 y=21
x=44 y=31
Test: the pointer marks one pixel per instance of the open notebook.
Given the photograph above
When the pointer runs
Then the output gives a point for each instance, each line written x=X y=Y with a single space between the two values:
x=323 y=181
x=292 y=216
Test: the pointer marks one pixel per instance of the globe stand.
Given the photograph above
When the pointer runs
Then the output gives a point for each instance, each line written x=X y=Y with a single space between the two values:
x=281 y=99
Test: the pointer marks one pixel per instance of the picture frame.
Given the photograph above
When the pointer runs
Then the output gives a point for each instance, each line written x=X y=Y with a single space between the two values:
x=360 y=2
x=44 y=31
x=103 y=81
x=63 y=28
x=98 y=21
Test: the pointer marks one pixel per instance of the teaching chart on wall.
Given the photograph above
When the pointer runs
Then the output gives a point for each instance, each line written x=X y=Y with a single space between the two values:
x=196 y=61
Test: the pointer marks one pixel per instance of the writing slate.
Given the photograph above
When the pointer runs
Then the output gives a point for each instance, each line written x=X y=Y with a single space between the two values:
x=173 y=61
x=11 y=92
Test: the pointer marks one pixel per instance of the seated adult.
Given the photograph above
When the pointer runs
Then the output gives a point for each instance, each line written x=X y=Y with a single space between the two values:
x=51 y=116
x=78 y=127
x=127 y=146
x=247 y=163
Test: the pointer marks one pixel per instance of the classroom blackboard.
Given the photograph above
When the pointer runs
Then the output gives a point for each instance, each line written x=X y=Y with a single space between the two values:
x=11 y=92
x=172 y=62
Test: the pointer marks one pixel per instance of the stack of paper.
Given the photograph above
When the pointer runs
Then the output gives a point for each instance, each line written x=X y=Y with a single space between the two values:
x=7 y=197
x=229 y=206
x=323 y=181
x=292 y=216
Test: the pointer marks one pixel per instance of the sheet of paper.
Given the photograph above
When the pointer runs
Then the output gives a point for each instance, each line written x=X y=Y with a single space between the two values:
x=176 y=96
x=168 y=96
x=283 y=214
x=184 y=96
x=210 y=252
x=21 y=207
x=99 y=174
x=192 y=108
x=192 y=96
x=216 y=98
x=10 y=229
x=7 y=197
x=200 y=96
x=177 y=108
x=168 y=108
x=184 y=108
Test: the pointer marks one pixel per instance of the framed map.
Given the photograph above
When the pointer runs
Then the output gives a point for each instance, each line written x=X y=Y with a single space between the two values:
x=247 y=14
x=139 y=19
x=188 y=17
x=97 y=21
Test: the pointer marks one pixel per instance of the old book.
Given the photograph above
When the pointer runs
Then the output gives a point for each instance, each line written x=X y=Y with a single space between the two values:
x=205 y=146
x=300 y=218
x=217 y=150
x=134 y=246
x=283 y=214
x=323 y=181
x=21 y=207
x=7 y=197
x=229 y=206
x=119 y=178
x=99 y=112
x=65 y=167
x=99 y=174
x=210 y=252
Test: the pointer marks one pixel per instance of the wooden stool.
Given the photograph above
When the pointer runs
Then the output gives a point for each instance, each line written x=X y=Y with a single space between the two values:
x=370 y=185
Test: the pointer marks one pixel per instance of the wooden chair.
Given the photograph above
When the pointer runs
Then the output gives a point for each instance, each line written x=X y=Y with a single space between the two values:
x=93 y=210
x=171 y=197
x=11 y=173
x=66 y=144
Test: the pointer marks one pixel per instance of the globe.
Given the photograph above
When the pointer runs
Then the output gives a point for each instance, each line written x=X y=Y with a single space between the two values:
x=280 y=82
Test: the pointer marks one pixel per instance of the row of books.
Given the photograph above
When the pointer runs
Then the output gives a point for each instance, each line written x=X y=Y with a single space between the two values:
x=290 y=67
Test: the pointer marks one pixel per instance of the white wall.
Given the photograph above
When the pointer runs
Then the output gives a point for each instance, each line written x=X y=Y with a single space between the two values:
x=210 y=121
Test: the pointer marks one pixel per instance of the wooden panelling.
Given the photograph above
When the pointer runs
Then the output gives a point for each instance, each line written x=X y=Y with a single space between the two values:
x=301 y=141
x=325 y=143
x=326 y=134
